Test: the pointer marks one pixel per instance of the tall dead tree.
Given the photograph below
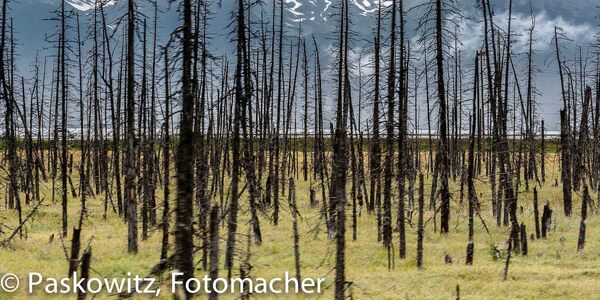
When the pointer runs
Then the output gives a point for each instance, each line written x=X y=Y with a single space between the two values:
x=245 y=98
x=202 y=137
x=472 y=195
x=375 y=153
x=184 y=244
x=130 y=154
x=166 y=143
x=235 y=141
x=565 y=135
x=64 y=125
x=340 y=159
x=579 y=163
x=403 y=155
x=505 y=164
x=82 y=172
x=145 y=184
x=305 y=116
x=529 y=114
x=389 y=158
x=153 y=159
x=492 y=83
x=14 y=201
x=276 y=142
x=115 y=110
x=442 y=112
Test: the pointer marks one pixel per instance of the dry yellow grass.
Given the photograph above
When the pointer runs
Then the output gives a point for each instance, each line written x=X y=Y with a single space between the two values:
x=553 y=269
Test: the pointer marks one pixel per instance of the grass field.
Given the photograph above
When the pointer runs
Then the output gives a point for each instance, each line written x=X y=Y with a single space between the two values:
x=552 y=270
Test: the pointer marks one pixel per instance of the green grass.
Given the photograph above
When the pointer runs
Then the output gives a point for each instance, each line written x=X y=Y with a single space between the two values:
x=552 y=270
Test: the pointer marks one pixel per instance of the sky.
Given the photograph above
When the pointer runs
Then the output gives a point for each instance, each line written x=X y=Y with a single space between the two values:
x=577 y=18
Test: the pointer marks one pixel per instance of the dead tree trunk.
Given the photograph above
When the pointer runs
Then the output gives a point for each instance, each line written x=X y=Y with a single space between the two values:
x=543 y=153
x=420 y=229
x=524 y=248
x=443 y=133
x=472 y=195
x=166 y=163
x=245 y=97
x=402 y=132
x=184 y=244
x=389 y=158
x=86 y=260
x=546 y=220
x=63 y=93
x=536 y=213
x=582 y=225
x=565 y=143
x=130 y=176
x=214 y=247
x=294 y=209
x=579 y=165
x=75 y=247
x=235 y=144
x=340 y=160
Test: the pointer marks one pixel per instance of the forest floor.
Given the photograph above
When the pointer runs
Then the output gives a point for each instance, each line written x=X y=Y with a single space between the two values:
x=552 y=270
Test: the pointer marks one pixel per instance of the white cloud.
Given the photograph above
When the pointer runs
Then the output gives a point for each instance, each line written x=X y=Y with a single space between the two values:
x=581 y=33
